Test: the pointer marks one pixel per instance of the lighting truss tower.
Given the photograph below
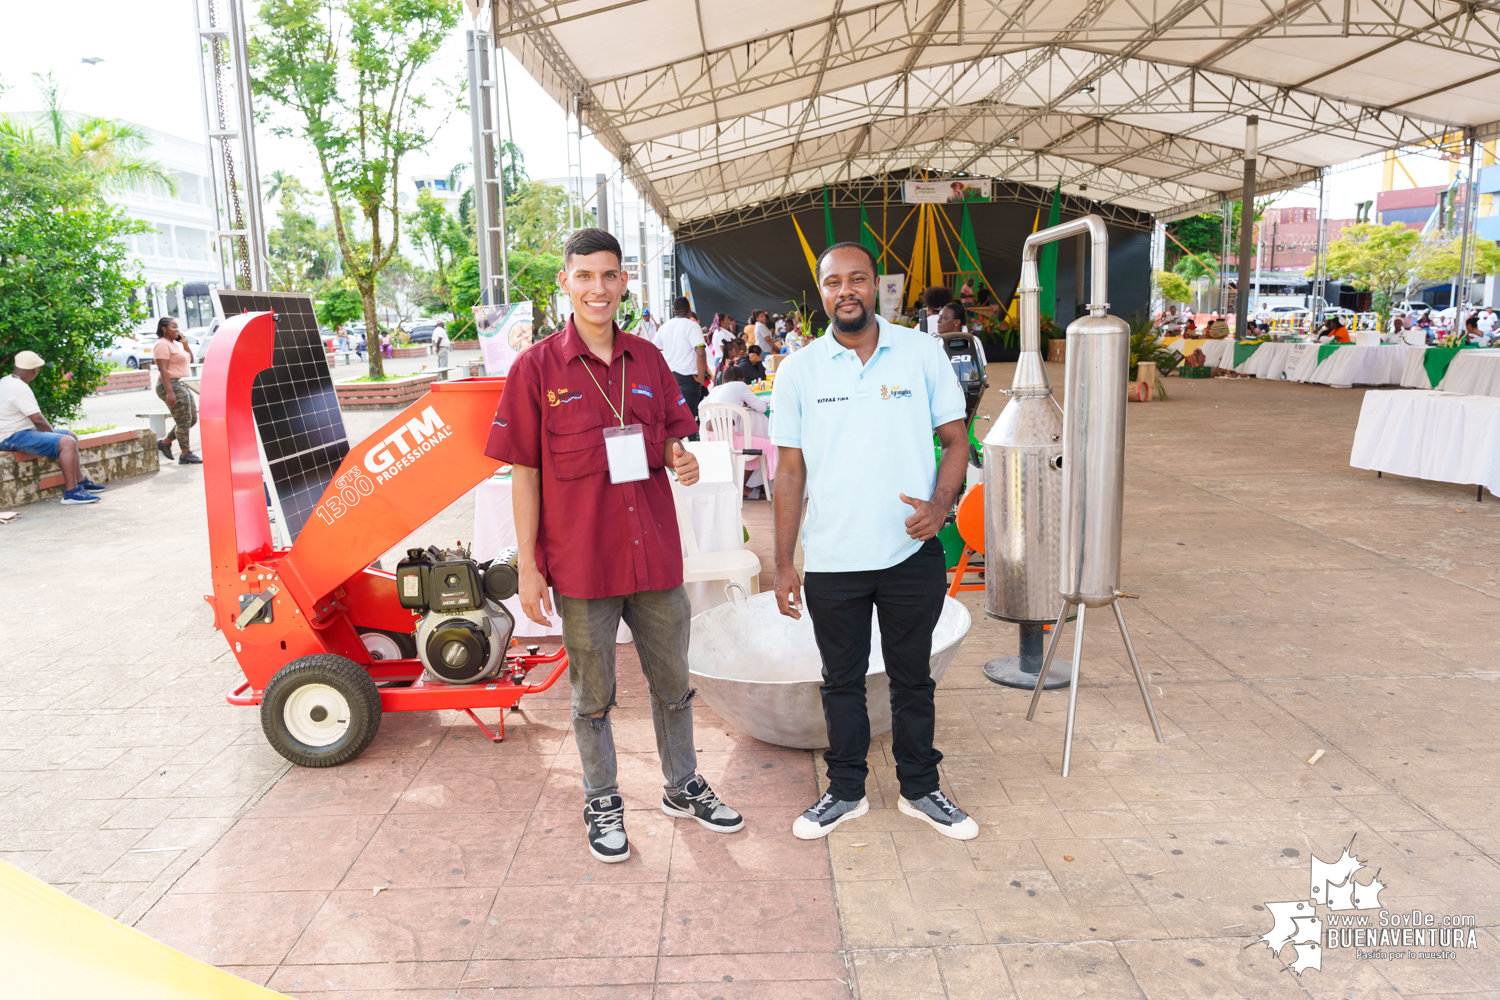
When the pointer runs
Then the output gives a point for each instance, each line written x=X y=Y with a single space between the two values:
x=229 y=120
x=489 y=191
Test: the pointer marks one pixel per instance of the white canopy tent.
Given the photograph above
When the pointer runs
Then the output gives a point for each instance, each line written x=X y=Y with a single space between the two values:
x=714 y=106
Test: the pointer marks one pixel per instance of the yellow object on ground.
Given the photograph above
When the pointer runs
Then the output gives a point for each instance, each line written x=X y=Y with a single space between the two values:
x=53 y=947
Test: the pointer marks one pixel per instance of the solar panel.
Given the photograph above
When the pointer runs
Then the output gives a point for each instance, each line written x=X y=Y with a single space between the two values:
x=295 y=406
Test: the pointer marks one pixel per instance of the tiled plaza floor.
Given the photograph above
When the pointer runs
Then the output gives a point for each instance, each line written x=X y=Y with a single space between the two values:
x=1288 y=604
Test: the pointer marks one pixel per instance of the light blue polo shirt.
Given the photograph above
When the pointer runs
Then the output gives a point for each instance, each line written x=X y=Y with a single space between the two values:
x=866 y=436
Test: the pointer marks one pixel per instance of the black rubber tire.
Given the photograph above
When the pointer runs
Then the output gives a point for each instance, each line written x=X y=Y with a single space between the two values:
x=344 y=676
x=132 y=364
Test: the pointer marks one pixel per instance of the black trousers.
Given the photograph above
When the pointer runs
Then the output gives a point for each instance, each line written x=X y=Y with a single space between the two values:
x=908 y=598
x=693 y=392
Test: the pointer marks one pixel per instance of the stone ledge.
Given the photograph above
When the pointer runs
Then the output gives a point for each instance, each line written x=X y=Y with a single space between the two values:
x=414 y=351
x=106 y=456
x=127 y=381
x=395 y=393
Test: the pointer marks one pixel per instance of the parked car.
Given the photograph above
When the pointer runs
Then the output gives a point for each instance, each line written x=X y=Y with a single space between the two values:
x=421 y=332
x=131 y=351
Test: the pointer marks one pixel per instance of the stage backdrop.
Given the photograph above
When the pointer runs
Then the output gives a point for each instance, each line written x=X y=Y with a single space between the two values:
x=761 y=266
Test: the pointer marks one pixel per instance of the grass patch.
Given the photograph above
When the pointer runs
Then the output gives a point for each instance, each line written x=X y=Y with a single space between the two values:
x=92 y=429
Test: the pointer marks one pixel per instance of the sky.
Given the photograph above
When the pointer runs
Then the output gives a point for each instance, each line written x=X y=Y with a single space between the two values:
x=149 y=75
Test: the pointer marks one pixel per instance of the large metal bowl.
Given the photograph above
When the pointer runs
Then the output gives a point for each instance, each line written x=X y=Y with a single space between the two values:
x=761 y=670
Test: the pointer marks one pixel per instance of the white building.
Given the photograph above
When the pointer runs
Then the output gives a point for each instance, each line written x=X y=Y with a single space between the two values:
x=176 y=256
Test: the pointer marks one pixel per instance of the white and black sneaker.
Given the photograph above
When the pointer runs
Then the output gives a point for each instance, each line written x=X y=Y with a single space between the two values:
x=828 y=813
x=942 y=815
x=697 y=801
x=605 y=817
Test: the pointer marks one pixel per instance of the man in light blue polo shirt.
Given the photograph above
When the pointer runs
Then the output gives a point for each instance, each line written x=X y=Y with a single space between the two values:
x=853 y=419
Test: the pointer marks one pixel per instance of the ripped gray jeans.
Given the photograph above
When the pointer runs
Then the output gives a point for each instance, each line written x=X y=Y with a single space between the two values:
x=660 y=622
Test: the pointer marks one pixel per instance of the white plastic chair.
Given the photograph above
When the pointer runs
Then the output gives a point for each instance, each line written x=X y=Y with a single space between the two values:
x=727 y=422
x=736 y=566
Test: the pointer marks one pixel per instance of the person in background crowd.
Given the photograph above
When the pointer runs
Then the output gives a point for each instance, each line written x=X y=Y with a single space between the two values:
x=385 y=344
x=1424 y=324
x=734 y=392
x=342 y=342
x=966 y=294
x=763 y=335
x=680 y=340
x=933 y=300
x=597 y=523
x=876 y=501
x=780 y=325
x=1337 y=333
x=751 y=364
x=1487 y=321
x=951 y=318
x=174 y=363
x=24 y=429
x=1189 y=328
x=648 y=325
x=441 y=344
x=1471 y=331
x=734 y=350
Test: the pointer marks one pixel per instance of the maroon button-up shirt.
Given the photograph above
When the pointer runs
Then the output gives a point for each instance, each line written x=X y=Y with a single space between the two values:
x=595 y=538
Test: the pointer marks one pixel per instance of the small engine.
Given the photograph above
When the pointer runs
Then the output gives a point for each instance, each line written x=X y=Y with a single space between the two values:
x=465 y=631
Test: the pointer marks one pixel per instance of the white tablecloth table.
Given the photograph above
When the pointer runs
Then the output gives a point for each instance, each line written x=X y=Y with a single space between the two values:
x=1476 y=372
x=1429 y=434
x=1352 y=365
x=714 y=509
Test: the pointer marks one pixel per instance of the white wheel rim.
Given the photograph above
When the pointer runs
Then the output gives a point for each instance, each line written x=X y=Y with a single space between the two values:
x=316 y=715
x=380 y=646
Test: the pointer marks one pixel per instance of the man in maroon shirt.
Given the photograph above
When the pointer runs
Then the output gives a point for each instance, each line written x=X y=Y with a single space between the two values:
x=589 y=421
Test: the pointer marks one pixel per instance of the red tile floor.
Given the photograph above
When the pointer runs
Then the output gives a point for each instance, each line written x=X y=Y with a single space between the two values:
x=441 y=863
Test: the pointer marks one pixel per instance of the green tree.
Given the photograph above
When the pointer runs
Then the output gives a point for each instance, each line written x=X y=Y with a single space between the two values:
x=351 y=74
x=105 y=152
x=1440 y=263
x=301 y=255
x=538 y=217
x=1190 y=269
x=1201 y=234
x=439 y=235
x=341 y=306
x=1381 y=260
x=67 y=285
x=1174 y=287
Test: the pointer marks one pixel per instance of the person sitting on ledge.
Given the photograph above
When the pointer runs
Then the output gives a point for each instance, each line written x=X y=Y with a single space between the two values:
x=24 y=429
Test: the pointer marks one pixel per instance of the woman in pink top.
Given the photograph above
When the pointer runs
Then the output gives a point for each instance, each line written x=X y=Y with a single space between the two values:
x=173 y=361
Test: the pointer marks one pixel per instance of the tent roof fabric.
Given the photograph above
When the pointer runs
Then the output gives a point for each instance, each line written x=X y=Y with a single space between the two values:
x=716 y=105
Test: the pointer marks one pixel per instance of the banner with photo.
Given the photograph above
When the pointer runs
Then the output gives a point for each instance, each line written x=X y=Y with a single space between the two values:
x=889 y=295
x=949 y=190
x=504 y=331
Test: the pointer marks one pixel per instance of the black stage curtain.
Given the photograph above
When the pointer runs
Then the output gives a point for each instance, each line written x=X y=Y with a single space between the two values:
x=761 y=266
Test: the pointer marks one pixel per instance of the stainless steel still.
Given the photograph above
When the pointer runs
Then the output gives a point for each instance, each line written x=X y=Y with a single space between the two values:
x=1023 y=482
x=1098 y=368
x=1093 y=467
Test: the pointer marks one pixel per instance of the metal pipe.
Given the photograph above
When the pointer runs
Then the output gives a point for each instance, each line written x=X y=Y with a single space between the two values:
x=1098 y=235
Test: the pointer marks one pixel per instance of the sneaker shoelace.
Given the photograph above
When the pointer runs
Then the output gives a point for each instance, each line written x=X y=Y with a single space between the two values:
x=609 y=820
x=942 y=803
x=823 y=805
x=707 y=796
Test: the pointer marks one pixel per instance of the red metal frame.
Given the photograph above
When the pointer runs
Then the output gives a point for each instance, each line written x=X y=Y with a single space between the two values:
x=389 y=485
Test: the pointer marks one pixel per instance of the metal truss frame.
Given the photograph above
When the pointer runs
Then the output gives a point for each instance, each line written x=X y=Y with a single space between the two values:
x=1033 y=91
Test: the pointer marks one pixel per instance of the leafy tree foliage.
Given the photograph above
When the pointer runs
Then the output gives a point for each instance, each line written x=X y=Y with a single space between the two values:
x=341 y=306
x=301 y=255
x=67 y=285
x=351 y=75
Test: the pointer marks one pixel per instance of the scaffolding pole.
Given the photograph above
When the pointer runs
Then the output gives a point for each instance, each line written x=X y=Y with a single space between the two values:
x=489 y=189
x=229 y=122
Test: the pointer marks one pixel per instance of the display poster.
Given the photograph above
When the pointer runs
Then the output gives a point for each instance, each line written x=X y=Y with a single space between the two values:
x=945 y=191
x=504 y=331
x=889 y=295
x=687 y=291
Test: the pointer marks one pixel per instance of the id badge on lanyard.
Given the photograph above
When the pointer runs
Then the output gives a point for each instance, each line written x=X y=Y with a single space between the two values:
x=625 y=447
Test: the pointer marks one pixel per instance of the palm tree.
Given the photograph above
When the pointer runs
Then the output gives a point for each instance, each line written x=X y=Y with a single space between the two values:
x=105 y=150
x=276 y=182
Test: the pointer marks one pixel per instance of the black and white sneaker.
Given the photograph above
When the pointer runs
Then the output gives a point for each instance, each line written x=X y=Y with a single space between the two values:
x=605 y=817
x=828 y=813
x=942 y=815
x=91 y=486
x=698 y=801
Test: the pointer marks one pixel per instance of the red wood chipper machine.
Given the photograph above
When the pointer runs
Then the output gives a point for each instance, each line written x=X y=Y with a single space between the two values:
x=327 y=642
